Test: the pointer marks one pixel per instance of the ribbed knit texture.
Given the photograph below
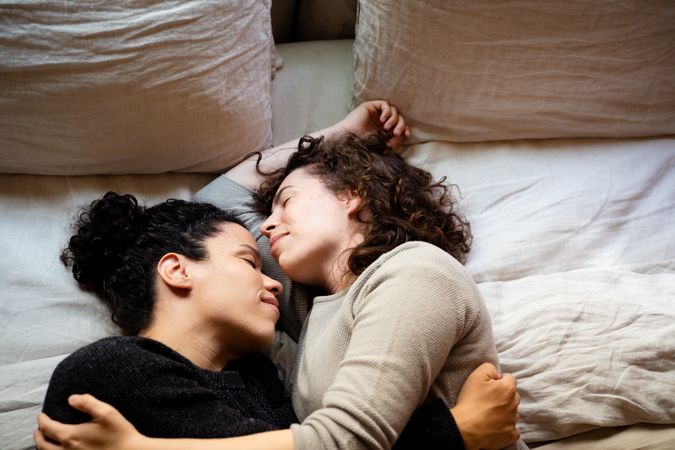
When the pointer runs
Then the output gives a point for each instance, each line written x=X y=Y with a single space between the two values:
x=164 y=395
x=412 y=327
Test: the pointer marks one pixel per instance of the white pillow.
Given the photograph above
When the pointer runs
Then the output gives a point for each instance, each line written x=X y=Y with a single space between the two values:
x=483 y=70
x=133 y=87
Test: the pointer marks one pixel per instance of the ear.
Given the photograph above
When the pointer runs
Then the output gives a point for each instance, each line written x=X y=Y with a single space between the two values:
x=352 y=202
x=173 y=270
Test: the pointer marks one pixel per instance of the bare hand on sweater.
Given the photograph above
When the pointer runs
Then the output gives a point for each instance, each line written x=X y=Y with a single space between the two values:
x=107 y=430
x=487 y=409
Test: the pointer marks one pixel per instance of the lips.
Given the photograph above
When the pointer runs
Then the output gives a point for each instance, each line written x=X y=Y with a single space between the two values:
x=275 y=239
x=272 y=301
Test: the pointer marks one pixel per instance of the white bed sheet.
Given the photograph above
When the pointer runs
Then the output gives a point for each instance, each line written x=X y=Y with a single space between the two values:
x=574 y=253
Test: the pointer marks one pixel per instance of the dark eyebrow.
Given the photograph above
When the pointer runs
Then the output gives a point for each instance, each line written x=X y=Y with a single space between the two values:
x=250 y=249
x=278 y=194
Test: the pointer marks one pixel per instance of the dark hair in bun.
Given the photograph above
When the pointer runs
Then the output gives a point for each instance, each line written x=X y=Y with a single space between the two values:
x=118 y=243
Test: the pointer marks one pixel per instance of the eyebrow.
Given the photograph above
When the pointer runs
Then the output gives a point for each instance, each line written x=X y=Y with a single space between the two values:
x=250 y=249
x=278 y=194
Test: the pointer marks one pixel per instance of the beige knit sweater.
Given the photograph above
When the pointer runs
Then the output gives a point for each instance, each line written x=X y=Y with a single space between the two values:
x=412 y=326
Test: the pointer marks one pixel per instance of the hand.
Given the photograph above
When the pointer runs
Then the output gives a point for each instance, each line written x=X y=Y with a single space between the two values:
x=107 y=430
x=487 y=409
x=376 y=116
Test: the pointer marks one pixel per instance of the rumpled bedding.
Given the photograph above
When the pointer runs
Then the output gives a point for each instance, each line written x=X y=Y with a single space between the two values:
x=574 y=253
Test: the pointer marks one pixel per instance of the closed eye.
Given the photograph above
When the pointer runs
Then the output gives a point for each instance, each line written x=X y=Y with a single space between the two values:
x=251 y=263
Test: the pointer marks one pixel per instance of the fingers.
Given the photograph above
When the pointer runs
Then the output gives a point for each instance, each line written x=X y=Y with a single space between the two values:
x=487 y=371
x=42 y=443
x=386 y=117
x=91 y=405
x=48 y=427
x=509 y=380
x=390 y=118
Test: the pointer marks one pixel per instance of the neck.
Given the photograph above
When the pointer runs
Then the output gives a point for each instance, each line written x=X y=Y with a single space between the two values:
x=340 y=276
x=201 y=346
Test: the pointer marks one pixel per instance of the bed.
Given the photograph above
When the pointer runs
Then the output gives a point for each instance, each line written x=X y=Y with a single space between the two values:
x=556 y=123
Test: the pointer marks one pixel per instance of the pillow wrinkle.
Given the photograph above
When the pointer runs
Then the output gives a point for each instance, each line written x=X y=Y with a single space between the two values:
x=113 y=87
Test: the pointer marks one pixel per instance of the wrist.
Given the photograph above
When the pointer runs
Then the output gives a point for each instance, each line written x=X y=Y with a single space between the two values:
x=338 y=128
x=142 y=442
x=470 y=434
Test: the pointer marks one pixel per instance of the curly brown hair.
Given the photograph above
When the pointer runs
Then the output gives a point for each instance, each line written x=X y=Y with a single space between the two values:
x=404 y=203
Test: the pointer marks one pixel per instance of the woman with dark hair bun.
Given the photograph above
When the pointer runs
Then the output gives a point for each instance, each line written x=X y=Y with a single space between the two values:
x=183 y=283
x=118 y=243
x=399 y=329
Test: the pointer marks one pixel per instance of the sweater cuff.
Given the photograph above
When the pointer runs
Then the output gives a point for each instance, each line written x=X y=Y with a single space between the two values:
x=432 y=426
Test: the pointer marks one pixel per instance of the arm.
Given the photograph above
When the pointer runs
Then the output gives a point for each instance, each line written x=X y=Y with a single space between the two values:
x=367 y=118
x=432 y=426
x=139 y=375
x=484 y=416
x=486 y=413
x=162 y=394
x=110 y=430
x=406 y=321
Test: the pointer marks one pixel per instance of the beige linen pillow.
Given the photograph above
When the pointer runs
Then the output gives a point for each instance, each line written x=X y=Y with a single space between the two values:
x=484 y=70
x=95 y=87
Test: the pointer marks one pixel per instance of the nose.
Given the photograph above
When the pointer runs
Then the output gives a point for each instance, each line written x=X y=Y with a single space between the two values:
x=273 y=286
x=268 y=226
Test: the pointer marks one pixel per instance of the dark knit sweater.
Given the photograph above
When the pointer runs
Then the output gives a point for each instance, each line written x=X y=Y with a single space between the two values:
x=164 y=395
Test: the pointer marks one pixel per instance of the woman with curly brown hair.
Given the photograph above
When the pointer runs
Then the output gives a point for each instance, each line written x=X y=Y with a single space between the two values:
x=398 y=322
x=402 y=320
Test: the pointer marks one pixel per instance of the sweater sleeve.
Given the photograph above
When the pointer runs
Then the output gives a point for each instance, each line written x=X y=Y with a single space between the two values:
x=408 y=315
x=160 y=397
x=431 y=427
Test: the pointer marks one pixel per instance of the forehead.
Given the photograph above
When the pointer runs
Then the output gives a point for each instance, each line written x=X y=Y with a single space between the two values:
x=233 y=234
x=300 y=177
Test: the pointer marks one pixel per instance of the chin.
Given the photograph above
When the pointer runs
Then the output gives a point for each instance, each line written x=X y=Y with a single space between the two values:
x=263 y=340
x=298 y=276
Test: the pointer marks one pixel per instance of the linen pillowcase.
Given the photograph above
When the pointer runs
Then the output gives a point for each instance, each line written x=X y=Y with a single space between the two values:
x=480 y=70
x=133 y=87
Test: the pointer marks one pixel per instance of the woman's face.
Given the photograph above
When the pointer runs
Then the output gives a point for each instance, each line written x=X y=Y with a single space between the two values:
x=233 y=294
x=311 y=229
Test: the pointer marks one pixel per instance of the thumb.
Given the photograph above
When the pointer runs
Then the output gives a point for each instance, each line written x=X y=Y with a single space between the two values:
x=488 y=371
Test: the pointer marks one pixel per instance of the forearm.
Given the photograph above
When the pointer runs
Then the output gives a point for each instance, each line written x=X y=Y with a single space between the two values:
x=270 y=440
x=246 y=173
x=367 y=118
x=432 y=426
